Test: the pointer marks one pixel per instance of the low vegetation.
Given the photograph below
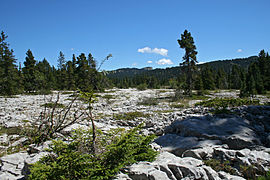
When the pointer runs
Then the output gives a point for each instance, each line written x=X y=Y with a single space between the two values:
x=130 y=115
x=149 y=102
x=227 y=102
x=217 y=165
x=53 y=105
x=75 y=159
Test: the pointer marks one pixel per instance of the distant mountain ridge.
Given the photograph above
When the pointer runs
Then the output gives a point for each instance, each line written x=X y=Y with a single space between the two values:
x=175 y=71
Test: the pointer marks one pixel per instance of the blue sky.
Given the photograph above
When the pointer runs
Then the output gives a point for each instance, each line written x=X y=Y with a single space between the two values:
x=138 y=33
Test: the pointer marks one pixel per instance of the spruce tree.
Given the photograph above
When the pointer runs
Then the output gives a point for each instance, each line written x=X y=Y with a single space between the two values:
x=221 y=80
x=70 y=76
x=189 y=58
x=9 y=75
x=83 y=73
x=30 y=72
x=235 y=77
x=62 y=72
x=208 y=78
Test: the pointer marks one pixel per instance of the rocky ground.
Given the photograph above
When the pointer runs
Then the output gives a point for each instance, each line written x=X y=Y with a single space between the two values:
x=193 y=142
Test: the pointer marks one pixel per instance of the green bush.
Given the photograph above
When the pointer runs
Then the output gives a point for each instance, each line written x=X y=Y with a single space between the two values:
x=217 y=165
x=149 y=102
x=75 y=160
x=267 y=177
x=227 y=102
x=53 y=105
x=179 y=106
x=130 y=115
x=142 y=87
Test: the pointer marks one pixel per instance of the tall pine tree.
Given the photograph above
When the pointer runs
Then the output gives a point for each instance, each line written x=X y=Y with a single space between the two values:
x=189 y=58
x=9 y=76
x=30 y=73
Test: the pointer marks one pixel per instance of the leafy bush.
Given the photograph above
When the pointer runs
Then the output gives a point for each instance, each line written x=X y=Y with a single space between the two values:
x=75 y=160
x=227 y=102
x=130 y=115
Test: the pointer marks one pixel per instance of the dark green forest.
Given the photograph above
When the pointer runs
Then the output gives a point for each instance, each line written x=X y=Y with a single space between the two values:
x=39 y=77
x=251 y=75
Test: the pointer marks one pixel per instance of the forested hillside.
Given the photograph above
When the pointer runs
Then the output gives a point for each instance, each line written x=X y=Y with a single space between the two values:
x=217 y=71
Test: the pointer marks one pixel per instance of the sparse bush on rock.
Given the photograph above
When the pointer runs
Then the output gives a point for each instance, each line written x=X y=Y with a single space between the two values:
x=75 y=160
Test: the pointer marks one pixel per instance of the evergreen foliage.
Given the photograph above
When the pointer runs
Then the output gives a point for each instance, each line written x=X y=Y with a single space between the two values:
x=189 y=58
x=30 y=72
x=9 y=75
x=75 y=160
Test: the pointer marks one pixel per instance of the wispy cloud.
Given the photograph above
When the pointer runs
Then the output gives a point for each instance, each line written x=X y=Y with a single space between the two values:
x=134 y=64
x=164 y=62
x=149 y=62
x=239 y=50
x=72 y=49
x=161 y=51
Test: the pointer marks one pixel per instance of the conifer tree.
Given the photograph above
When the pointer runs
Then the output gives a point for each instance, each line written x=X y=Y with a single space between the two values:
x=30 y=72
x=235 y=77
x=62 y=72
x=221 y=80
x=45 y=80
x=70 y=76
x=208 y=78
x=189 y=58
x=83 y=72
x=8 y=71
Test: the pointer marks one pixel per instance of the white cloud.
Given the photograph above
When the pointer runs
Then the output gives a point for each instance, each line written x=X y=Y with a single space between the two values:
x=239 y=50
x=134 y=64
x=149 y=62
x=164 y=62
x=161 y=51
x=145 y=50
x=72 y=49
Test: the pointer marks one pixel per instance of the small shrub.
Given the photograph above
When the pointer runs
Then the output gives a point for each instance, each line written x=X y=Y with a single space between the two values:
x=53 y=105
x=266 y=177
x=149 y=102
x=142 y=87
x=217 y=165
x=130 y=115
x=179 y=106
x=75 y=160
x=248 y=172
x=227 y=102
x=10 y=130
x=108 y=96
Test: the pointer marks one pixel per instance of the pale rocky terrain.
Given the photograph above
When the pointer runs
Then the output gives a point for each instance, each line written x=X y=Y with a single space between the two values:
x=186 y=137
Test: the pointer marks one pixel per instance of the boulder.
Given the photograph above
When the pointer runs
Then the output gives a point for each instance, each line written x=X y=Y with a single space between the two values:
x=178 y=144
x=232 y=130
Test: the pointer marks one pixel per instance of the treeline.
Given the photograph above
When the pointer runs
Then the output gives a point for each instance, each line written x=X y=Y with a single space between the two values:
x=40 y=77
x=251 y=75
